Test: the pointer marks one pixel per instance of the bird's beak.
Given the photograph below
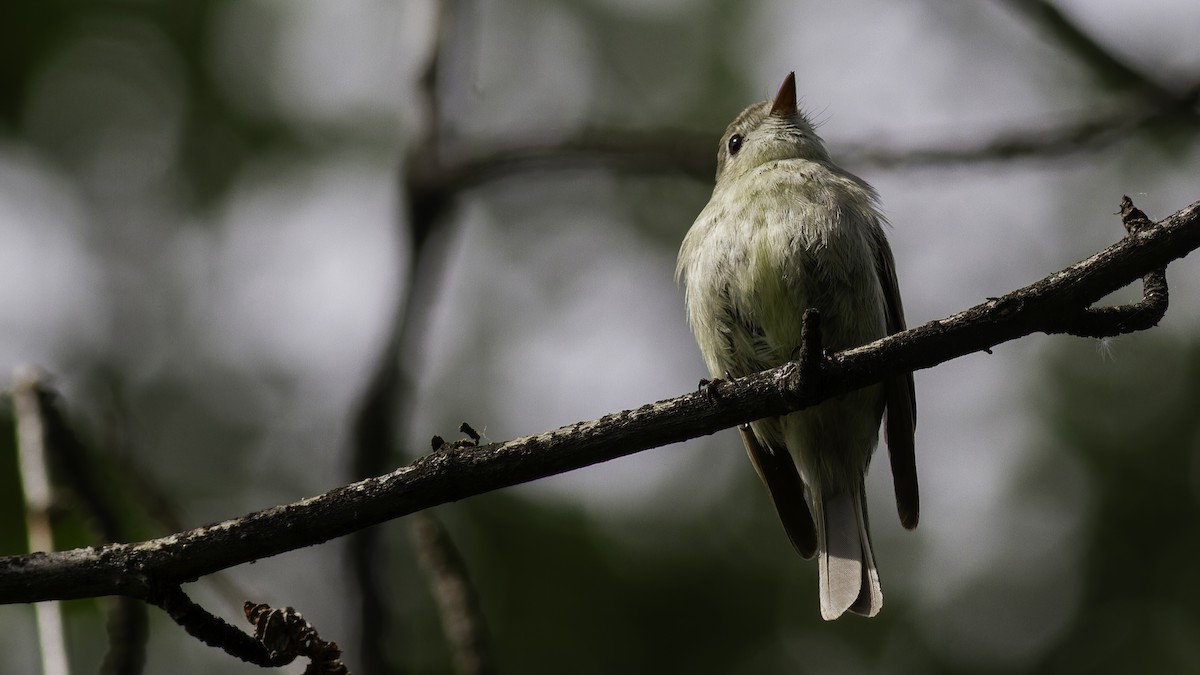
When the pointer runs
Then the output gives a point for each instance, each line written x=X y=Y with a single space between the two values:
x=785 y=100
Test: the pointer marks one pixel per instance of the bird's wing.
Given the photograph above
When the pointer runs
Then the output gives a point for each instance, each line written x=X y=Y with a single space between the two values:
x=778 y=472
x=901 y=398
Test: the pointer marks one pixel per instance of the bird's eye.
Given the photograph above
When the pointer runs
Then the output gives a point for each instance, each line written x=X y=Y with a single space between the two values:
x=735 y=143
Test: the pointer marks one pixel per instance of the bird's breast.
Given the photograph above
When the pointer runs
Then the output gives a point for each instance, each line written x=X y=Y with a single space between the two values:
x=765 y=250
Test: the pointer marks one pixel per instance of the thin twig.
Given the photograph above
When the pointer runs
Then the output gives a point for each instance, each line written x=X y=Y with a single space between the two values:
x=460 y=472
x=1145 y=313
x=213 y=630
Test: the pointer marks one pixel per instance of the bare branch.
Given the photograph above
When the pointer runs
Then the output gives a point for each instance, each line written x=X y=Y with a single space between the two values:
x=32 y=432
x=213 y=630
x=629 y=151
x=128 y=627
x=458 y=604
x=690 y=154
x=673 y=152
x=1107 y=66
x=1072 y=137
x=1146 y=313
x=460 y=472
x=80 y=481
x=384 y=407
x=667 y=151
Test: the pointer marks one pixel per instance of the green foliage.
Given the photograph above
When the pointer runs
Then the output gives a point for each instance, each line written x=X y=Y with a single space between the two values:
x=1132 y=421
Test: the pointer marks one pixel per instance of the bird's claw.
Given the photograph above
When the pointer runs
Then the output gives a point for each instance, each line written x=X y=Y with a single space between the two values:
x=711 y=388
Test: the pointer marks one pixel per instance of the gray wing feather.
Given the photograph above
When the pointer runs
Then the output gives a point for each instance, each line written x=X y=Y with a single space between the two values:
x=901 y=398
x=778 y=473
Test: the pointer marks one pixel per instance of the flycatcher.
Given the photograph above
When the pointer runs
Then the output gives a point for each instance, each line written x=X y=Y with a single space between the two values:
x=787 y=230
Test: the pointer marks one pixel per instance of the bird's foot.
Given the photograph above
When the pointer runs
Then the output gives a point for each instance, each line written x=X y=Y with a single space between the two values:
x=711 y=388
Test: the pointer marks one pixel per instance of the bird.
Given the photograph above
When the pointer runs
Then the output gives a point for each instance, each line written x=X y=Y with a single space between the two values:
x=787 y=230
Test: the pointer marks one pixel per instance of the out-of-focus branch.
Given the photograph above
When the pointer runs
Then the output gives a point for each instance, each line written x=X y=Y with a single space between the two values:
x=669 y=151
x=458 y=604
x=1084 y=135
x=383 y=410
x=39 y=500
x=1108 y=67
x=692 y=154
x=457 y=472
x=628 y=151
x=46 y=437
x=80 y=479
x=673 y=152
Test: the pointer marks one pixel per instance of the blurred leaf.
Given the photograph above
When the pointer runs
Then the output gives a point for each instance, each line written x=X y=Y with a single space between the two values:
x=1131 y=419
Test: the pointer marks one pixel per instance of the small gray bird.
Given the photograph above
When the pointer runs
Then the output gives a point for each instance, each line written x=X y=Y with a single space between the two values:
x=786 y=230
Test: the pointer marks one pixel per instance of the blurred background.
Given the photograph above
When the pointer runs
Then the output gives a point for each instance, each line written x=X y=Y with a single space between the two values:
x=267 y=247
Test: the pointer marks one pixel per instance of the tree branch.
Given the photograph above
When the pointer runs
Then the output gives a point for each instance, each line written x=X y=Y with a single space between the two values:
x=458 y=603
x=1146 y=313
x=212 y=630
x=33 y=437
x=674 y=152
x=455 y=473
x=72 y=464
x=383 y=412
x=1107 y=66
x=1086 y=134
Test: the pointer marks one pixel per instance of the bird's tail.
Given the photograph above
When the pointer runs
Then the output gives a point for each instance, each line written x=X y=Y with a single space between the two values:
x=849 y=580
